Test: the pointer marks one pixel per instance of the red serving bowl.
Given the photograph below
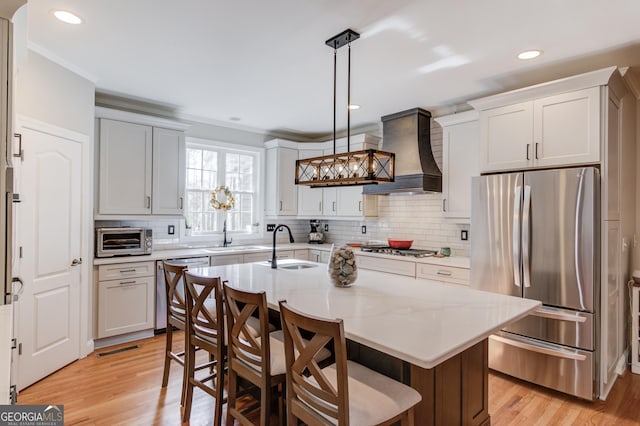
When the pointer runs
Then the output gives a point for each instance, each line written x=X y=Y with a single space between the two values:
x=400 y=244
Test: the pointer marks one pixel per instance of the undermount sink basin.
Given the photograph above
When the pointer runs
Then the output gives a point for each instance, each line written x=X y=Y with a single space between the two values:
x=291 y=264
x=298 y=266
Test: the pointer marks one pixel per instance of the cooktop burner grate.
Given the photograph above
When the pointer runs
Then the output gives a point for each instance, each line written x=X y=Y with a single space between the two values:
x=398 y=252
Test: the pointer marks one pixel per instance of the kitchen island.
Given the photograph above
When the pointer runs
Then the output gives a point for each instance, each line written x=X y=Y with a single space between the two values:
x=430 y=335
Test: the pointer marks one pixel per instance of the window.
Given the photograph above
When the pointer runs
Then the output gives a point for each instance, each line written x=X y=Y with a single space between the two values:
x=212 y=164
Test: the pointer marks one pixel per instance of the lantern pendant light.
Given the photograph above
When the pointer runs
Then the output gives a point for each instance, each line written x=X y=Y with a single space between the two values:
x=364 y=167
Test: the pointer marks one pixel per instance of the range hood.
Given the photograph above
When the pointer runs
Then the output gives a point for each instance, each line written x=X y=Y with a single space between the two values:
x=408 y=135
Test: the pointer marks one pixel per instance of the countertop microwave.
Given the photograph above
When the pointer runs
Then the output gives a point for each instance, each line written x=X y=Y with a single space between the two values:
x=126 y=241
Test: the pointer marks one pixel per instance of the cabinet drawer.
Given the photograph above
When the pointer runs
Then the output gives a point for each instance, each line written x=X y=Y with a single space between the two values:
x=125 y=270
x=443 y=273
x=125 y=305
x=391 y=266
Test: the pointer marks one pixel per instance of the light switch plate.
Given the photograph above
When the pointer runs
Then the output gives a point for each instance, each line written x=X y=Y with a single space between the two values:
x=171 y=230
x=464 y=235
x=271 y=227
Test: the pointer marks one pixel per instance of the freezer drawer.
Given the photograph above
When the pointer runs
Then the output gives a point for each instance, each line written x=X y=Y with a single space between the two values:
x=561 y=326
x=564 y=369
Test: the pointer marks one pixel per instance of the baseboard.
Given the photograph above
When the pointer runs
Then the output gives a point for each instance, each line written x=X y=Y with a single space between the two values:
x=88 y=348
x=123 y=338
x=621 y=366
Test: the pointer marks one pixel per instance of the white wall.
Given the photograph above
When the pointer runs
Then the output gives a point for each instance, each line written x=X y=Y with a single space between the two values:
x=50 y=93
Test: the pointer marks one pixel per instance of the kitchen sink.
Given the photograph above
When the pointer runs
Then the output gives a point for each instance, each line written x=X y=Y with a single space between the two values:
x=298 y=266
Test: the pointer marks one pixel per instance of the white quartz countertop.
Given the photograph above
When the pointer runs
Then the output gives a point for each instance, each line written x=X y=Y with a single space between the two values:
x=422 y=322
x=453 y=261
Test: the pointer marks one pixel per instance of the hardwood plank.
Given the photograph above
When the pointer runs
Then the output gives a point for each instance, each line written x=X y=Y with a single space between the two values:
x=125 y=389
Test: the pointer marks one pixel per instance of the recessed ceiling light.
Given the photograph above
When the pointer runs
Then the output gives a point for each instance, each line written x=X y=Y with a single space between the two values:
x=529 y=54
x=68 y=17
x=354 y=106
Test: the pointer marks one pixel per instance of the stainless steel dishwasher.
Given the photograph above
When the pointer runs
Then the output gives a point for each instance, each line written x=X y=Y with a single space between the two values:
x=161 y=294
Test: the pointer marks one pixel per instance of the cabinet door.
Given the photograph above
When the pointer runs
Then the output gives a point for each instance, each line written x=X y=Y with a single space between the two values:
x=506 y=137
x=460 y=163
x=125 y=168
x=329 y=201
x=282 y=194
x=567 y=128
x=169 y=170
x=611 y=317
x=349 y=201
x=309 y=199
x=125 y=305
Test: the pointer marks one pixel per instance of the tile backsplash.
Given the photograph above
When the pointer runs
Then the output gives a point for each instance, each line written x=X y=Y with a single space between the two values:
x=406 y=217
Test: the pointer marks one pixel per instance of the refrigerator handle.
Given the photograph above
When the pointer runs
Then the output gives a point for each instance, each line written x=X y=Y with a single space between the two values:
x=526 y=236
x=578 y=232
x=516 y=236
x=558 y=353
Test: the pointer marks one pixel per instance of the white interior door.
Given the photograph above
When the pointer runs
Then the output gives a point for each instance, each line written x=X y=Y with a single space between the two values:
x=49 y=232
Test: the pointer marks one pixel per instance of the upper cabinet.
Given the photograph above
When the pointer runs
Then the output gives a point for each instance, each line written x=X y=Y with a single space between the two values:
x=141 y=166
x=281 y=192
x=460 y=146
x=285 y=198
x=548 y=125
x=169 y=169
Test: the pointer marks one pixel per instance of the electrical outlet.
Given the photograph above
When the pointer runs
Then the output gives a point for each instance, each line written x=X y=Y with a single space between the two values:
x=363 y=229
x=464 y=235
x=271 y=227
x=326 y=227
x=171 y=230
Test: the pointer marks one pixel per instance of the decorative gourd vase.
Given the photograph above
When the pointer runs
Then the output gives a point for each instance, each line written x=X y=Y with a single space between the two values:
x=342 y=266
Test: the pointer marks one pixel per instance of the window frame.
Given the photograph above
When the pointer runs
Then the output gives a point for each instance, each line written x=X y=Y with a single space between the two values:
x=259 y=153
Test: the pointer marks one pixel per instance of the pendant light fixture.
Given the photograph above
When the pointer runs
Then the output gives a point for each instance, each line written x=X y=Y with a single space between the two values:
x=364 y=167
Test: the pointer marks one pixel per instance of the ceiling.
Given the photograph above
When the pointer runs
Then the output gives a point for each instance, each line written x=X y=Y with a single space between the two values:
x=263 y=64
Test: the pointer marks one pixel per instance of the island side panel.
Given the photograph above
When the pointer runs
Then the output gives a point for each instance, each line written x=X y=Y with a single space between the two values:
x=456 y=391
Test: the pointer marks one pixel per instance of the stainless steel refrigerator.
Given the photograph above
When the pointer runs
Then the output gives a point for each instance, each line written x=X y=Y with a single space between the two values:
x=536 y=235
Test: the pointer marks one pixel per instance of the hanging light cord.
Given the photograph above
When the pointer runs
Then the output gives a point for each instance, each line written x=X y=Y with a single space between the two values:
x=335 y=69
x=349 y=100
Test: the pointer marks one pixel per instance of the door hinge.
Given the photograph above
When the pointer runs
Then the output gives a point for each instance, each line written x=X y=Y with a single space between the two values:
x=20 y=153
x=14 y=343
x=20 y=348
x=16 y=198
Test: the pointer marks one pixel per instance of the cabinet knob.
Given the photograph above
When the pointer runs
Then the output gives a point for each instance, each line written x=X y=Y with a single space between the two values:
x=528 y=152
x=76 y=262
x=444 y=204
x=537 y=150
x=148 y=201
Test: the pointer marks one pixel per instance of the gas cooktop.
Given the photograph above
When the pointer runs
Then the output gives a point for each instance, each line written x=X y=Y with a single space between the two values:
x=398 y=252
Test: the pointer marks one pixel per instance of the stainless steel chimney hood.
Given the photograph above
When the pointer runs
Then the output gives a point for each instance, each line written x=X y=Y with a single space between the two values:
x=408 y=135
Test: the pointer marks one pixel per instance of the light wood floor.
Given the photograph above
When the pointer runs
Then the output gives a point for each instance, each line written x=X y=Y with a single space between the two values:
x=124 y=389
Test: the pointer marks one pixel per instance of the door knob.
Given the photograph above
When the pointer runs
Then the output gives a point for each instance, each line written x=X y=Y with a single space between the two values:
x=76 y=262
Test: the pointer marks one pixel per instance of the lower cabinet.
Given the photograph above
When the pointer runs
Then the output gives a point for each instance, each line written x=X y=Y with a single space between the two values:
x=226 y=259
x=126 y=298
x=446 y=274
x=392 y=266
x=320 y=256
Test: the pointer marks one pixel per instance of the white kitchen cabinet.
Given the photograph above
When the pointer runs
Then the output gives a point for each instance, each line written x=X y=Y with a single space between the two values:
x=125 y=168
x=460 y=147
x=281 y=192
x=264 y=256
x=126 y=298
x=169 y=171
x=320 y=256
x=392 y=266
x=548 y=131
x=348 y=201
x=226 y=259
x=611 y=306
x=141 y=164
x=309 y=199
x=448 y=274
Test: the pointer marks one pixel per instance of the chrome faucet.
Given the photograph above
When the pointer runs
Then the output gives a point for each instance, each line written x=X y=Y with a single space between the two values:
x=225 y=243
x=274 y=263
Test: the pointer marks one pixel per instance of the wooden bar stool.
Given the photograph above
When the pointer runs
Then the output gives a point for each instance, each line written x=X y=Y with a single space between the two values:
x=205 y=331
x=176 y=317
x=253 y=358
x=343 y=393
